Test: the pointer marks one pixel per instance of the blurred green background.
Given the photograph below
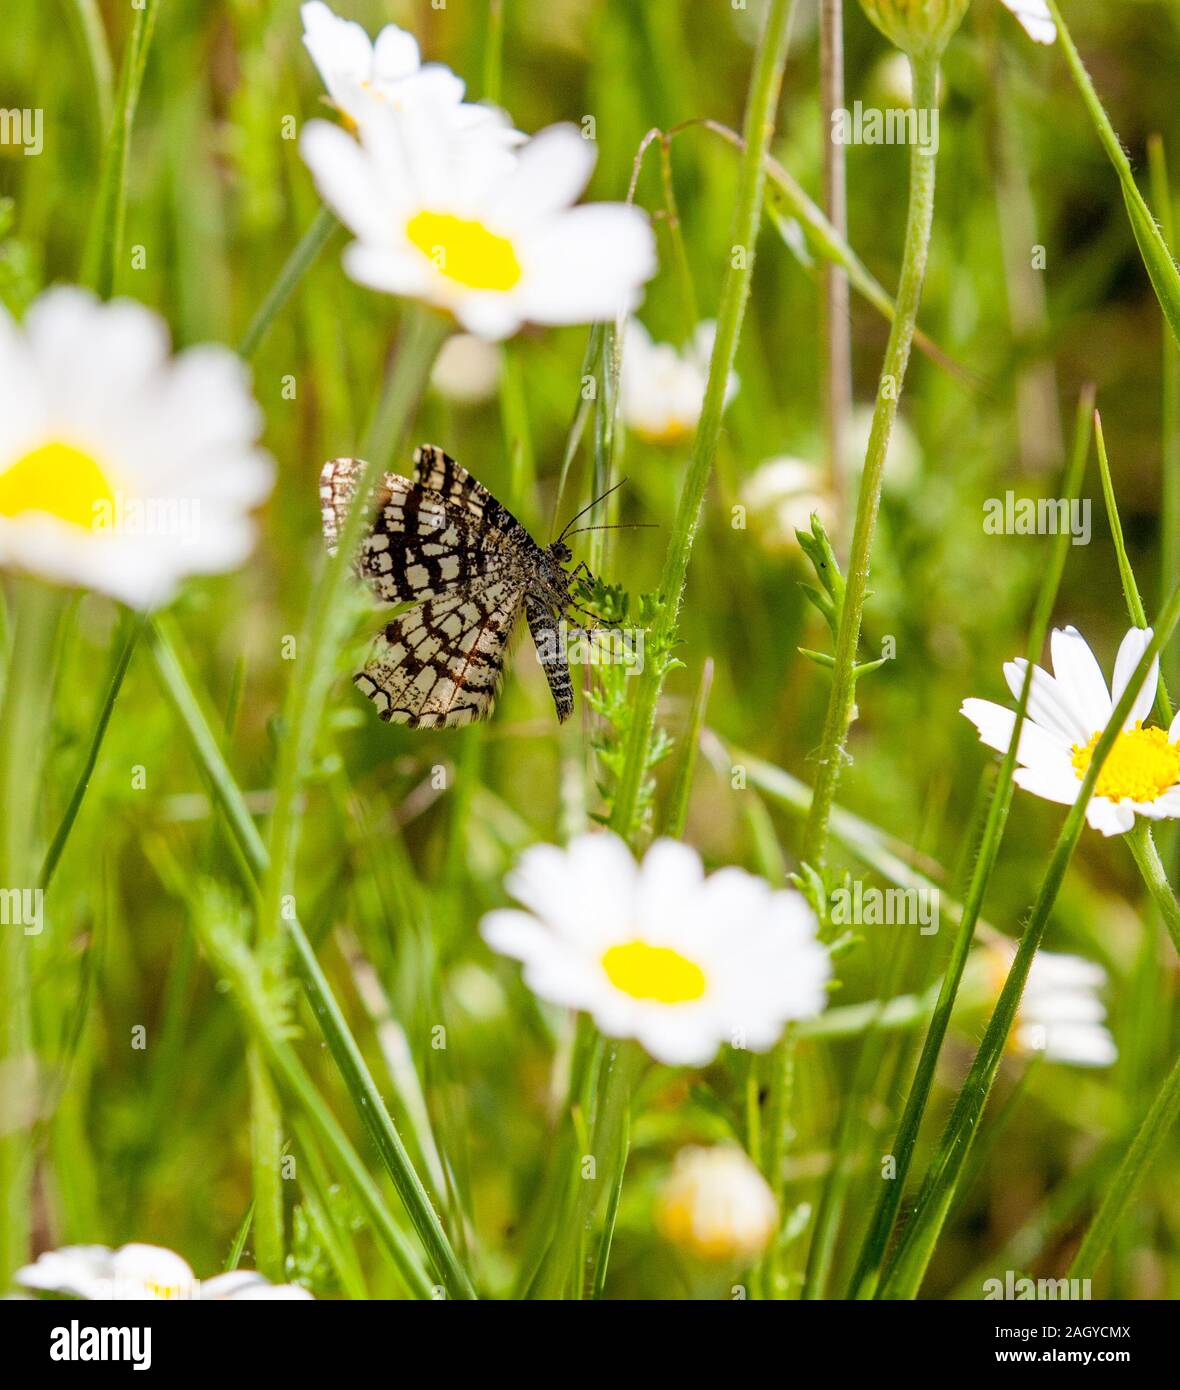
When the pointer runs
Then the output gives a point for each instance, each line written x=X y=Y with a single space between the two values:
x=152 y=1145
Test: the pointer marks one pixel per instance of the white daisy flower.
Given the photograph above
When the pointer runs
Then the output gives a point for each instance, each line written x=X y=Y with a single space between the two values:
x=140 y=1272
x=780 y=497
x=658 y=952
x=361 y=73
x=436 y=220
x=662 y=388
x=122 y=469
x=1067 y=712
x=1035 y=18
x=715 y=1205
x=1060 y=1013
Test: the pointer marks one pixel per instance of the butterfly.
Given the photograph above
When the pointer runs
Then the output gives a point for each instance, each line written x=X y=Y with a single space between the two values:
x=442 y=542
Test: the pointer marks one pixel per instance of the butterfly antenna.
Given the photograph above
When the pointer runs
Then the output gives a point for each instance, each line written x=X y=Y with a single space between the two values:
x=590 y=505
x=615 y=526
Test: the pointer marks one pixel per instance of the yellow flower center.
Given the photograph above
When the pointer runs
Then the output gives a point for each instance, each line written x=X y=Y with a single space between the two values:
x=1141 y=766
x=657 y=973
x=168 y=1291
x=60 y=481
x=465 y=251
x=671 y=432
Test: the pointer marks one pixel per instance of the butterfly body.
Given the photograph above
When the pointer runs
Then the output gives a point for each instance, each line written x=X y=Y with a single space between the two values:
x=442 y=542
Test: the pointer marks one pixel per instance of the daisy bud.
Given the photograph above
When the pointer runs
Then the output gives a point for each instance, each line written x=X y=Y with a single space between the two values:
x=467 y=370
x=715 y=1205
x=917 y=27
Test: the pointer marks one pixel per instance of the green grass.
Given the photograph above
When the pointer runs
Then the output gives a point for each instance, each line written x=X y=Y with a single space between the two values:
x=435 y=1110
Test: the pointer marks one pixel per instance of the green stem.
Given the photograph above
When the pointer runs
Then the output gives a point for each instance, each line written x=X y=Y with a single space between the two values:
x=303 y=711
x=677 y=813
x=901 y=334
x=88 y=22
x=1170 y=397
x=24 y=736
x=322 y=631
x=1160 y=1118
x=625 y=1063
x=1135 y=609
x=889 y=1201
x=774 y=1140
x=358 y=1079
x=236 y=969
x=849 y=1127
x=1157 y=258
x=904 y=1275
x=1149 y=1139
x=759 y=126
x=266 y=1156
x=493 y=52
x=1151 y=869
x=106 y=234
x=301 y=259
x=120 y=661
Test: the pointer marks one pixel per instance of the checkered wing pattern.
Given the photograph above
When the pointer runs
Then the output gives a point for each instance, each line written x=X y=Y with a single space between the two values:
x=440 y=664
x=442 y=542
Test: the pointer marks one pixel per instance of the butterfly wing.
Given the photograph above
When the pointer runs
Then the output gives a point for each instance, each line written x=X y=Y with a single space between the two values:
x=437 y=472
x=420 y=545
x=440 y=664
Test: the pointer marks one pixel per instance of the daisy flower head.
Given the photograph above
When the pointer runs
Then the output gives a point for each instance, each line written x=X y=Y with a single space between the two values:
x=662 y=388
x=496 y=246
x=122 y=468
x=780 y=496
x=362 y=73
x=140 y=1273
x=657 y=951
x=1067 y=712
x=715 y=1205
x=917 y=26
x=467 y=369
x=1061 y=1015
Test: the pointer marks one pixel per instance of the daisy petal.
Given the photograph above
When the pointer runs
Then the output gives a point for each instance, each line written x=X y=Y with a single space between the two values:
x=1034 y=18
x=1078 y=672
x=1131 y=650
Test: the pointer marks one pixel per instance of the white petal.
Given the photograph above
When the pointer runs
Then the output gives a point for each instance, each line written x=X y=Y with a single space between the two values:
x=1051 y=784
x=995 y=724
x=1110 y=817
x=395 y=54
x=245 y=1285
x=550 y=173
x=1035 y=18
x=588 y=264
x=81 y=1271
x=338 y=47
x=1078 y=672
x=1131 y=650
x=344 y=175
x=1048 y=704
